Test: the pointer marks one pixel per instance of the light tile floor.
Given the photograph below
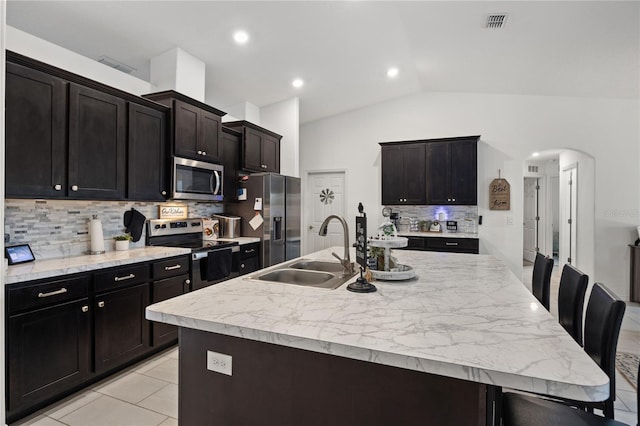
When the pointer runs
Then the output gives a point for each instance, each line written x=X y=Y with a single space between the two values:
x=146 y=394
x=626 y=404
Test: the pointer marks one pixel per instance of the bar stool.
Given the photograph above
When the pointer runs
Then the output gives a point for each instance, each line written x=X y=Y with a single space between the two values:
x=541 y=280
x=573 y=286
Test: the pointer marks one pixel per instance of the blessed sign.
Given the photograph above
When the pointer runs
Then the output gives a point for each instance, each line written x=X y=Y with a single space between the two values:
x=361 y=240
x=499 y=195
x=172 y=211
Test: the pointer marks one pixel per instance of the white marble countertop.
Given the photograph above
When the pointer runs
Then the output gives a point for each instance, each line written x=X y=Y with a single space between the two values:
x=443 y=234
x=70 y=265
x=464 y=316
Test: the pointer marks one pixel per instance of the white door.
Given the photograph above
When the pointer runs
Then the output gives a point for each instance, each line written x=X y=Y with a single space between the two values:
x=530 y=214
x=324 y=196
x=569 y=216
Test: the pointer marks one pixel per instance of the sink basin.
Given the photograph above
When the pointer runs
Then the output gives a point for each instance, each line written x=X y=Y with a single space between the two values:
x=318 y=265
x=308 y=273
x=296 y=276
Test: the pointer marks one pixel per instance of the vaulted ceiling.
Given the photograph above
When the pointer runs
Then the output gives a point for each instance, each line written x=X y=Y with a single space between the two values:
x=342 y=49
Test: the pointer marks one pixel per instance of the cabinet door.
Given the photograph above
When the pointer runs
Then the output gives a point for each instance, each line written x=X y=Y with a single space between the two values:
x=438 y=177
x=209 y=139
x=147 y=154
x=163 y=290
x=48 y=352
x=121 y=330
x=464 y=160
x=186 y=129
x=414 y=174
x=392 y=175
x=252 y=152
x=270 y=154
x=36 y=153
x=231 y=163
x=97 y=143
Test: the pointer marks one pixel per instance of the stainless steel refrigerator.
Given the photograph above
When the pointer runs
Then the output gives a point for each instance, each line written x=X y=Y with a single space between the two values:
x=280 y=210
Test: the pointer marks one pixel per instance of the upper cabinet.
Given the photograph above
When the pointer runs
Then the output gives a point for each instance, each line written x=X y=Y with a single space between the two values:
x=452 y=171
x=70 y=137
x=231 y=142
x=430 y=172
x=196 y=126
x=403 y=173
x=261 y=147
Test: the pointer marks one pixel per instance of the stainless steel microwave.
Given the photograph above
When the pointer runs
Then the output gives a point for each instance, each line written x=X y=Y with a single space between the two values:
x=196 y=180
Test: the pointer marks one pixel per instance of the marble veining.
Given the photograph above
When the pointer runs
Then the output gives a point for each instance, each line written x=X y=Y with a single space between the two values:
x=70 y=265
x=463 y=316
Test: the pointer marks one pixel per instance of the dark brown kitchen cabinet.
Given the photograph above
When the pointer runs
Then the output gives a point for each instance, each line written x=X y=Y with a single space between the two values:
x=249 y=258
x=48 y=341
x=97 y=144
x=260 y=148
x=35 y=124
x=147 y=154
x=196 y=126
x=121 y=330
x=444 y=244
x=231 y=142
x=170 y=279
x=452 y=171
x=403 y=173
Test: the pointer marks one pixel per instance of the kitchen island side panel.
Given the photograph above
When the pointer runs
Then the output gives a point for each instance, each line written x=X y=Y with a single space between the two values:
x=273 y=384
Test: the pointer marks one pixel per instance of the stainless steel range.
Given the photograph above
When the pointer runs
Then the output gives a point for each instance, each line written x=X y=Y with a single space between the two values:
x=211 y=261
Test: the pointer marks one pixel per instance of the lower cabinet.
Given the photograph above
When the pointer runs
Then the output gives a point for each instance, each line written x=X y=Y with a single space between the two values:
x=121 y=331
x=249 y=258
x=444 y=244
x=48 y=341
x=66 y=332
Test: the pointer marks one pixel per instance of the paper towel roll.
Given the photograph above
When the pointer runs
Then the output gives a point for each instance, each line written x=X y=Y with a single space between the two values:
x=97 y=238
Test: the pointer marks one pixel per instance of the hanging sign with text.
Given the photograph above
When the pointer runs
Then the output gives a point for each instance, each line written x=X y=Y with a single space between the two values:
x=499 y=195
x=172 y=211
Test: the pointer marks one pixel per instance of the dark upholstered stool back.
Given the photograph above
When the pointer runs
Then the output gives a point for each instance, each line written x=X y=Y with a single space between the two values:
x=573 y=285
x=541 y=280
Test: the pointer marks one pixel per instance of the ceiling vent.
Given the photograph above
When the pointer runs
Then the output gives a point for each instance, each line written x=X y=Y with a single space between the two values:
x=496 y=21
x=116 y=64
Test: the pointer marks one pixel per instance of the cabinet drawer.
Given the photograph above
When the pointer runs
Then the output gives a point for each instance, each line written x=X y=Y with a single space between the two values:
x=26 y=296
x=121 y=277
x=170 y=268
x=249 y=250
x=416 y=243
x=457 y=245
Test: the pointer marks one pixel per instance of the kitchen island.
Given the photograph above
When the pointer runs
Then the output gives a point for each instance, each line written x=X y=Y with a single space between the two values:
x=432 y=350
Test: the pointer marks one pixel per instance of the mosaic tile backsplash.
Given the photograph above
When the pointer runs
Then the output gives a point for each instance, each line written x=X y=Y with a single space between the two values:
x=60 y=228
x=432 y=213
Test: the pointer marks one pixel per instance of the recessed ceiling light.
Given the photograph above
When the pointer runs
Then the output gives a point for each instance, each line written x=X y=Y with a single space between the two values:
x=535 y=154
x=392 y=72
x=241 y=37
x=297 y=83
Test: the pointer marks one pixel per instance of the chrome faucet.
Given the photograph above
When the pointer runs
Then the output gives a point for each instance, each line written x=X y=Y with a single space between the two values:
x=346 y=260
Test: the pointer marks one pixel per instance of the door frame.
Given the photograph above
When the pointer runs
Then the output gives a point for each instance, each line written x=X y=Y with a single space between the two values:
x=305 y=199
x=569 y=232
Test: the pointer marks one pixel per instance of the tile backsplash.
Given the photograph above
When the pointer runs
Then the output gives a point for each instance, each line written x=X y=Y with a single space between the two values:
x=432 y=213
x=60 y=228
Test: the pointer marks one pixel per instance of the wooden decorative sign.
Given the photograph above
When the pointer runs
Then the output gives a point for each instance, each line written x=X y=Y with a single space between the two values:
x=499 y=195
x=172 y=211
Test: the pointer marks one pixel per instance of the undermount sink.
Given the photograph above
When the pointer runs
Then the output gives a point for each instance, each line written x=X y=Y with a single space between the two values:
x=308 y=273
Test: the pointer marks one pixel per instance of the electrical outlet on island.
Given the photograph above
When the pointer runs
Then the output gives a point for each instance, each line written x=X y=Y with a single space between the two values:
x=220 y=363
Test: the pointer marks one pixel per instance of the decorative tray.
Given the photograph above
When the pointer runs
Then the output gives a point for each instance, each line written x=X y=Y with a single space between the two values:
x=401 y=272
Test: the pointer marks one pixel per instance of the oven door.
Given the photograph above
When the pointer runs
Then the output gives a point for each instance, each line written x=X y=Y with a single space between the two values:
x=197 y=180
x=214 y=266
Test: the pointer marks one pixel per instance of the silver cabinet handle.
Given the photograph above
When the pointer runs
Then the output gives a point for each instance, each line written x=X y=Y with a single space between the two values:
x=453 y=199
x=451 y=244
x=171 y=268
x=100 y=304
x=74 y=187
x=250 y=251
x=163 y=193
x=53 y=293
x=242 y=265
x=204 y=153
x=85 y=308
x=128 y=277
x=187 y=282
x=200 y=152
x=57 y=187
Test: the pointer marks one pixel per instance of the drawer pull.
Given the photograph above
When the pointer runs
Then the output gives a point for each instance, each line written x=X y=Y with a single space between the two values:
x=128 y=277
x=53 y=293
x=85 y=308
x=451 y=244
x=100 y=304
x=250 y=251
x=171 y=268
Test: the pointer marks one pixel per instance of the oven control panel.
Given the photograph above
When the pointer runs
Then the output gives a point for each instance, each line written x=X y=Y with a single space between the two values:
x=160 y=227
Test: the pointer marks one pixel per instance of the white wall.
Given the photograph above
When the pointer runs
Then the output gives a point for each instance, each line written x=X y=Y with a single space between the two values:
x=283 y=118
x=511 y=127
x=44 y=51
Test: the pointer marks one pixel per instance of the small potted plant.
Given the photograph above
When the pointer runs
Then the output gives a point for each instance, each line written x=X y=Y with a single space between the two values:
x=122 y=241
